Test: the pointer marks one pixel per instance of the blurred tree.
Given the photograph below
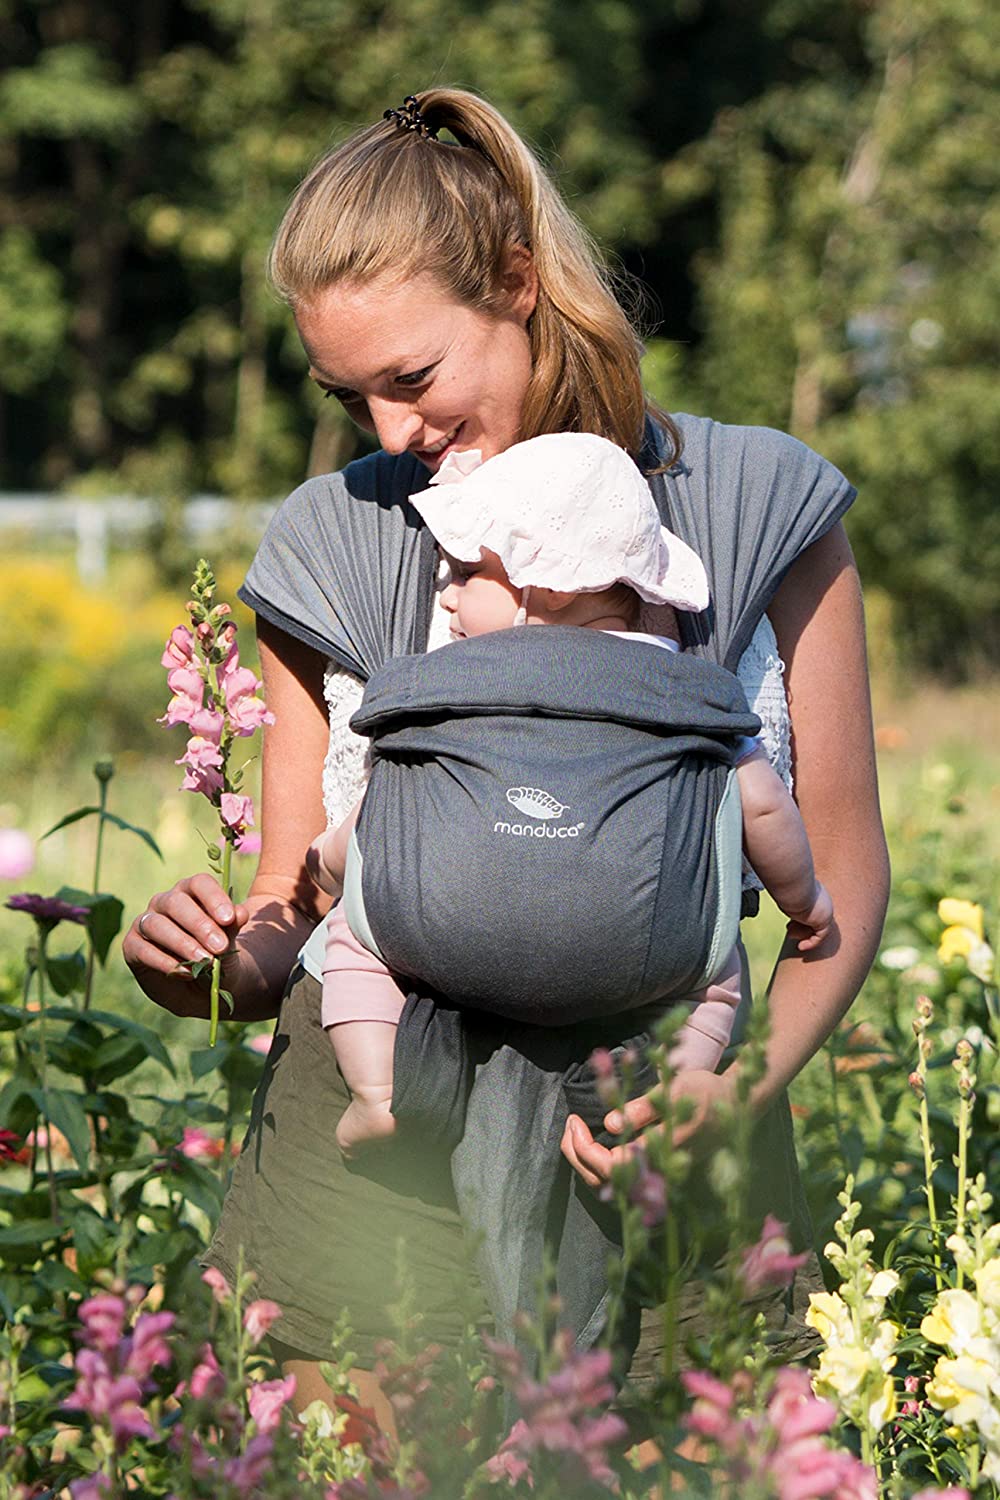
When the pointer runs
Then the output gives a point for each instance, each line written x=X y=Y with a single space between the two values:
x=853 y=296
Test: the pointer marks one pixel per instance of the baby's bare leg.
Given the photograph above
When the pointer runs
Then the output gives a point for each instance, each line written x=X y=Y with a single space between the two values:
x=364 y=1055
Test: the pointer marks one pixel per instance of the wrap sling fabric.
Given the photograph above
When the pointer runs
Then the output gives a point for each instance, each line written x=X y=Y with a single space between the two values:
x=346 y=568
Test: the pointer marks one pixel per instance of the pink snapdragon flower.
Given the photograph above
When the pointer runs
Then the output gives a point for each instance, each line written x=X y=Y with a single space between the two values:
x=207 y=1381
x=103 y=1319
x=217 y=1284
x=245 y=711
x=179 y=649
x=782 y=1450
x=267 y=1399
x=258 y=1318
x=188 y=688
x=236 y=812
x=770 y=1262
x=247 y=1472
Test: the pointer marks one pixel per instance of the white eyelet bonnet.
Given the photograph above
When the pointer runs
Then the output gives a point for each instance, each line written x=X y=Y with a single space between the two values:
x=567 y=511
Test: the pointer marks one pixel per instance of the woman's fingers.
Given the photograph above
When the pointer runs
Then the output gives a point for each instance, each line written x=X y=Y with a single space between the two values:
x=636 y=1114
x=193 y=921
x=588 y=1157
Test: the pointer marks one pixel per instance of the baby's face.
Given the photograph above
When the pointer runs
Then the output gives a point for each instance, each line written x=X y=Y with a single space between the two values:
x=480 y=597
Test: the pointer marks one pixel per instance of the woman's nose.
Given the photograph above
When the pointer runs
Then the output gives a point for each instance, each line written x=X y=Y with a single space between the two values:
x=448 y=598
x=396 y=424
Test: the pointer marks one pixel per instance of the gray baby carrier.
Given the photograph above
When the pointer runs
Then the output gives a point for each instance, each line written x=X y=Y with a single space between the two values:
x=552 y=830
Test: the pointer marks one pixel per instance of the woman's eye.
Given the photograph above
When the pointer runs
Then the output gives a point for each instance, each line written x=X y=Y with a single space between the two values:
x=414 y=377
x=344 y=397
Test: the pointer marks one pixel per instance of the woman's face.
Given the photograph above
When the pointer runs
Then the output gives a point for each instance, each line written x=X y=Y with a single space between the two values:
x=421 y=371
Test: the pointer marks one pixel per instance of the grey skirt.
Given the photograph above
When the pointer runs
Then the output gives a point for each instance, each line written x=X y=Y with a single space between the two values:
x=381 y=1243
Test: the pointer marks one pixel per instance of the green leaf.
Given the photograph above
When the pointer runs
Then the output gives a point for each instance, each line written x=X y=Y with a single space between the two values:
x=140 y=833
x=73 y=817
x=30 y=1232
x=206 y=1058
x=149 y=1039
x=95 y=1240
x=13 y=1017
x=65 y=1111
x=200 y=1186
x=105 y=923
x=67 y=972
x=116 y=1056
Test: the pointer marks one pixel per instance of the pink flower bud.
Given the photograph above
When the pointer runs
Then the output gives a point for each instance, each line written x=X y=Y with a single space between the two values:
x=219 y=1286
x=258 y=1318
x=916 y=1083
x=179 y=649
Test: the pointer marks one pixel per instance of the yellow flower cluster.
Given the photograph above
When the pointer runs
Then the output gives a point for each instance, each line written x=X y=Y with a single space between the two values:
x=855 y=1368
x=966 y=1381
x=964 y=936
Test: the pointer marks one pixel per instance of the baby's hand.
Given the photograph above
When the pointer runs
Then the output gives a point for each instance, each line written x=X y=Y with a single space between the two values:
x=816 y=919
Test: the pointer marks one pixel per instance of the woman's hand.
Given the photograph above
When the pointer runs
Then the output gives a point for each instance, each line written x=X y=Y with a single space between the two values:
x=192 y=921
x=707 y=1097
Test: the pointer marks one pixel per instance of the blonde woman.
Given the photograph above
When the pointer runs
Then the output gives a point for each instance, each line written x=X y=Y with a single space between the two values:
x=445 y=295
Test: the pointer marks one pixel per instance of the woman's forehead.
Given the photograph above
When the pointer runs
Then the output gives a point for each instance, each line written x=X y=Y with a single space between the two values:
x=351 y=331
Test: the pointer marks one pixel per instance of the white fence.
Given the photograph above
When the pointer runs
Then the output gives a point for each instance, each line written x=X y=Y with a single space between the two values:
x=95 y=525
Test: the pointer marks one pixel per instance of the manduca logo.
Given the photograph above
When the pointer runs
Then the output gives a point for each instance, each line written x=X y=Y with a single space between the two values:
x=536 y=803
x=541 y=806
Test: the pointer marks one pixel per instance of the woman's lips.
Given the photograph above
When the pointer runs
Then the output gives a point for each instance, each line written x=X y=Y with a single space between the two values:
x=435 y=456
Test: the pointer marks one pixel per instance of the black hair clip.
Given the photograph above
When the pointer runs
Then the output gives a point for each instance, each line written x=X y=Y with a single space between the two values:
x=410 y=118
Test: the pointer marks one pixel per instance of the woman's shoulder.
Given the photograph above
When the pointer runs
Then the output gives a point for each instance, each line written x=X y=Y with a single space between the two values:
x=385 y=478
x=711 y=447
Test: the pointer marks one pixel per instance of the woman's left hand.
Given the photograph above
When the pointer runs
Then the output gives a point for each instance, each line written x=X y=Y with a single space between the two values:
x=708 y=1095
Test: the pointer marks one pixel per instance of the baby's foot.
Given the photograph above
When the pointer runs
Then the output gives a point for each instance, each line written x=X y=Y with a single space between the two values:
x=365 y=1121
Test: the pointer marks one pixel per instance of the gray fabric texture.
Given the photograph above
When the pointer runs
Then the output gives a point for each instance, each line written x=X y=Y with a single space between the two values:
x=538 y=835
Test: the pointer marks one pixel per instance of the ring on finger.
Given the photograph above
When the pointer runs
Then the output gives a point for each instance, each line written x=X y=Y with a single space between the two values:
x=142 y=919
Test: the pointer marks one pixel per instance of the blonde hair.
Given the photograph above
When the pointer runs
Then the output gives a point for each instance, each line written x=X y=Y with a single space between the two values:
x=391 y=202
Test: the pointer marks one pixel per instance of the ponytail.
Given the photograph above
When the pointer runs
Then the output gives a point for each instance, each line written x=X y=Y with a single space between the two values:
x=391 y=201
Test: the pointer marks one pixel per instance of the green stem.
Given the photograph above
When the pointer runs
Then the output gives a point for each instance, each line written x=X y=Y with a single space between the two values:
x=102 y=793
x=963 y=1167
x=43 y=938
x=925 y=1136
x=213 y=1028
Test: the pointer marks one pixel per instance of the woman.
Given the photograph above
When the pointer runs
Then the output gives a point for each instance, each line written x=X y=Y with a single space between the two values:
x=445 y=295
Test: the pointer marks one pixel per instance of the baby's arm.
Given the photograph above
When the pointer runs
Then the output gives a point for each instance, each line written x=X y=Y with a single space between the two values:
x=326 y=856
x=777 y=847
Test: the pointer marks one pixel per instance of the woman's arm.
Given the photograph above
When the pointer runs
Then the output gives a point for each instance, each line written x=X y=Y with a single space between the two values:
x=195 y=917
x=819 y=623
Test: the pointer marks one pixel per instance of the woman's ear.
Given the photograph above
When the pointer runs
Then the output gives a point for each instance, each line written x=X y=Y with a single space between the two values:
x=520 y=282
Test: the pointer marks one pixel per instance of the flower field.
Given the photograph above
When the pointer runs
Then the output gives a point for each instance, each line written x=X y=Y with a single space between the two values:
x=124 y=1371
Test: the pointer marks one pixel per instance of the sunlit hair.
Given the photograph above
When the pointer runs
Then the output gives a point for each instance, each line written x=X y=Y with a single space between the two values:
x=389 y=202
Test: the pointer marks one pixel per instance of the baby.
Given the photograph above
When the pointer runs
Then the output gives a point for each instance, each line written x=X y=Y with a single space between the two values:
x=558 y=531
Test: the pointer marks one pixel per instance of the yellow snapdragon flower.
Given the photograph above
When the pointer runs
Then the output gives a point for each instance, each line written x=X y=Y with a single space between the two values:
x=964 y=937
x=962 y=1388
x=954 y=1321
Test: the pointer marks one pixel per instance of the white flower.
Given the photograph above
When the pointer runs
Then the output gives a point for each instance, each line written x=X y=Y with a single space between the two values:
x=883 y=1284
x=903 y=957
